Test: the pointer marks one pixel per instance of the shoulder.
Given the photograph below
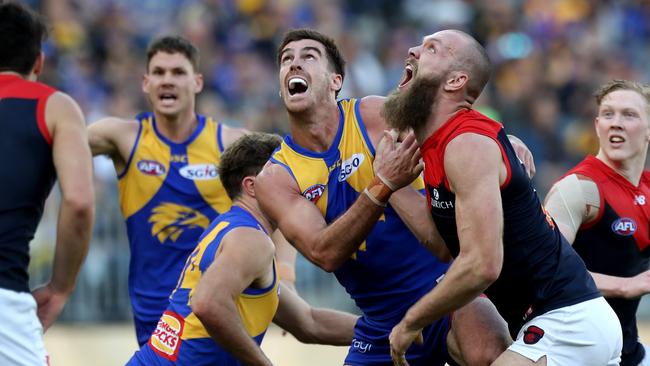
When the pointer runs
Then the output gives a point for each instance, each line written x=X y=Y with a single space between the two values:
x=245 y=238
x=61 y=108
x=230 y=134
x=370 y=109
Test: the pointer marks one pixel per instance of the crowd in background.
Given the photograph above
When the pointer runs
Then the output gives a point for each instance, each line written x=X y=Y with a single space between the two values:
x=549 y=56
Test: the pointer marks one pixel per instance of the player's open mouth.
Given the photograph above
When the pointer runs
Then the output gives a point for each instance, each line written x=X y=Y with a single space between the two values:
x=408 y=75
x=167 y=98
x=615 y=139
x=297 y=85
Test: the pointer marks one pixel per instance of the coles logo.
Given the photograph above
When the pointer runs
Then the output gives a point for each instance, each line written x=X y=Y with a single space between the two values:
x=624 y=226
x=166 y=339
x=151 y=167
x=314 y=192
x=199 y=172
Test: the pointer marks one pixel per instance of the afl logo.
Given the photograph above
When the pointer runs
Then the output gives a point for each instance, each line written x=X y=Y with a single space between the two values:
x=314 y=192
x=624 y=226
x=435 y=194
x=151 y=167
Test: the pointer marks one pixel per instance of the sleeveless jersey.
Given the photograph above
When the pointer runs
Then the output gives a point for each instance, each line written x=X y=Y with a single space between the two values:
x=27 y=174
x=169 y=194
x=180 y=338
x=617 y=243
x=540 y=272
x=391 y=270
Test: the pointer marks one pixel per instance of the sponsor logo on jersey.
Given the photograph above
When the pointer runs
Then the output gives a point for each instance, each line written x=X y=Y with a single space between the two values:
x=166 y=339
x=199 y=172
x=178 y=158
x=170 y=220
x=349 y=166
x=151 y=167
x=442 y=205
x=361 y=346
x=314 y=192
x=624 y=226
x=639 y=200
x=533 y=334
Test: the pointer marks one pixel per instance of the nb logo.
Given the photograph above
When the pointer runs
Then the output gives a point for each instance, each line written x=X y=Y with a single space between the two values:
x=170 y=220
x=349 y=166
x=639 y=200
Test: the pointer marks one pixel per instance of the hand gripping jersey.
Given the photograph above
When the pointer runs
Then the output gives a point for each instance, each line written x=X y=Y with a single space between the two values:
x=180 y=338
x=169 y=193
x=540 y=270
x=391 y=270
x=617 y=242
x=27 y=174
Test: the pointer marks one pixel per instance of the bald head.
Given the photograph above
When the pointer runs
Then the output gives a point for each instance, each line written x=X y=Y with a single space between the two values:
x=469 y=57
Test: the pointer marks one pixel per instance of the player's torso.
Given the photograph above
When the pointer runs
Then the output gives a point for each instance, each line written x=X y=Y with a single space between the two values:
x=617 y=243
x=536 y=261
x=390 y=259
x=180 y=335
x=27 y=173
x=169 y=193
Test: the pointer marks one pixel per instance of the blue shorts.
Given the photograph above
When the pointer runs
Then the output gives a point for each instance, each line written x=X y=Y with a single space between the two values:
x=370 y=346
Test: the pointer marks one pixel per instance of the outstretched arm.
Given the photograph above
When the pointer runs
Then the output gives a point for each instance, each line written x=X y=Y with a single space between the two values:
x=233 y=269
x=72 y=162
x=573 y=201
x=113 y=137
x=329 y=246
x=313 y=325
x=473 y=166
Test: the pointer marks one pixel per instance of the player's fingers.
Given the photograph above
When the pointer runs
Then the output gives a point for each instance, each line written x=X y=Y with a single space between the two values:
x=419 y=339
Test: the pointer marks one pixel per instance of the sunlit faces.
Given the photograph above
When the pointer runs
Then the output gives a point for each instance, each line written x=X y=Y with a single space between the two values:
x=622 y=126
x=171 y=83
x=305 y=75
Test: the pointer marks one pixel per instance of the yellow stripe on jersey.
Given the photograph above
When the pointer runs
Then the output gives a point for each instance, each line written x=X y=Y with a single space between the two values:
x=257 y=311
x=201 y=150
x=146 y=173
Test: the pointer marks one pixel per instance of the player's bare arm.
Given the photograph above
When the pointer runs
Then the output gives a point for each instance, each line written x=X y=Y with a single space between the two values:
x=313 y=325
x=474 y=169
x=73 y=165
x=329 y=246
x=231 y=134
x=573 y=201
x=233 y=270
x=114 y=137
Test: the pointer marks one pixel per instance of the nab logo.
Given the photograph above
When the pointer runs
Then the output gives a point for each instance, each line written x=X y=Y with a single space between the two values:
x=350 y=166
x=624 y=226
x=151 y=167
x=314 y=192
x=199 y=172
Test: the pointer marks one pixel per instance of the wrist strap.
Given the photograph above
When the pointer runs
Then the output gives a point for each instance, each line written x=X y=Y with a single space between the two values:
x=388 y=183
x=373 y=199
x=378 y=192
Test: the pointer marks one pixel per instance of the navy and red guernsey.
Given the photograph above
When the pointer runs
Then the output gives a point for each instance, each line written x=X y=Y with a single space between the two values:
x=27 y=173
x=617 y=243
x=541 y=271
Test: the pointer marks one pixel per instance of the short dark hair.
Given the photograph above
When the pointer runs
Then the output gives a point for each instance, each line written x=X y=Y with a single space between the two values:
x=336 y=60
x=616 y=85
x=171 y=45
x=245 y=157
x=22 y=32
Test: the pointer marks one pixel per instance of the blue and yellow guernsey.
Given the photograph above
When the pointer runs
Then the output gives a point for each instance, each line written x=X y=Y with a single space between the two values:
x=180 y=338
x=169 y=193
x=391 y=270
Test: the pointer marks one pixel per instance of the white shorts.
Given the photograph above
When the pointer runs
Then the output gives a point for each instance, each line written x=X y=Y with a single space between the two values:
x=587 y=333
x=21 y=333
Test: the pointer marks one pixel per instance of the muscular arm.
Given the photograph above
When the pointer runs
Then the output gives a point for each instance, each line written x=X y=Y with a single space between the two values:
x=72 y=162
x=285 y=257
x=472 y=165
x=233 y=269
x=231 y=134
x=313 y=325
x=113 y=137
x=575 y=200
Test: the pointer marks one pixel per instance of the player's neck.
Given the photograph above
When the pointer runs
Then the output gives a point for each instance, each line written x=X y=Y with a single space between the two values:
x=251 y=206
x=177 y=128
x=630 y=169
x=315 y=129
x=441 y=112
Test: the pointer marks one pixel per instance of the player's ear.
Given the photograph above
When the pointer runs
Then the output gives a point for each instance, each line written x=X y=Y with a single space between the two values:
x=38 y=64
x=456 y=80
x=248 y=186
x=336 y=82
x=145 y=83
x=198 y=83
